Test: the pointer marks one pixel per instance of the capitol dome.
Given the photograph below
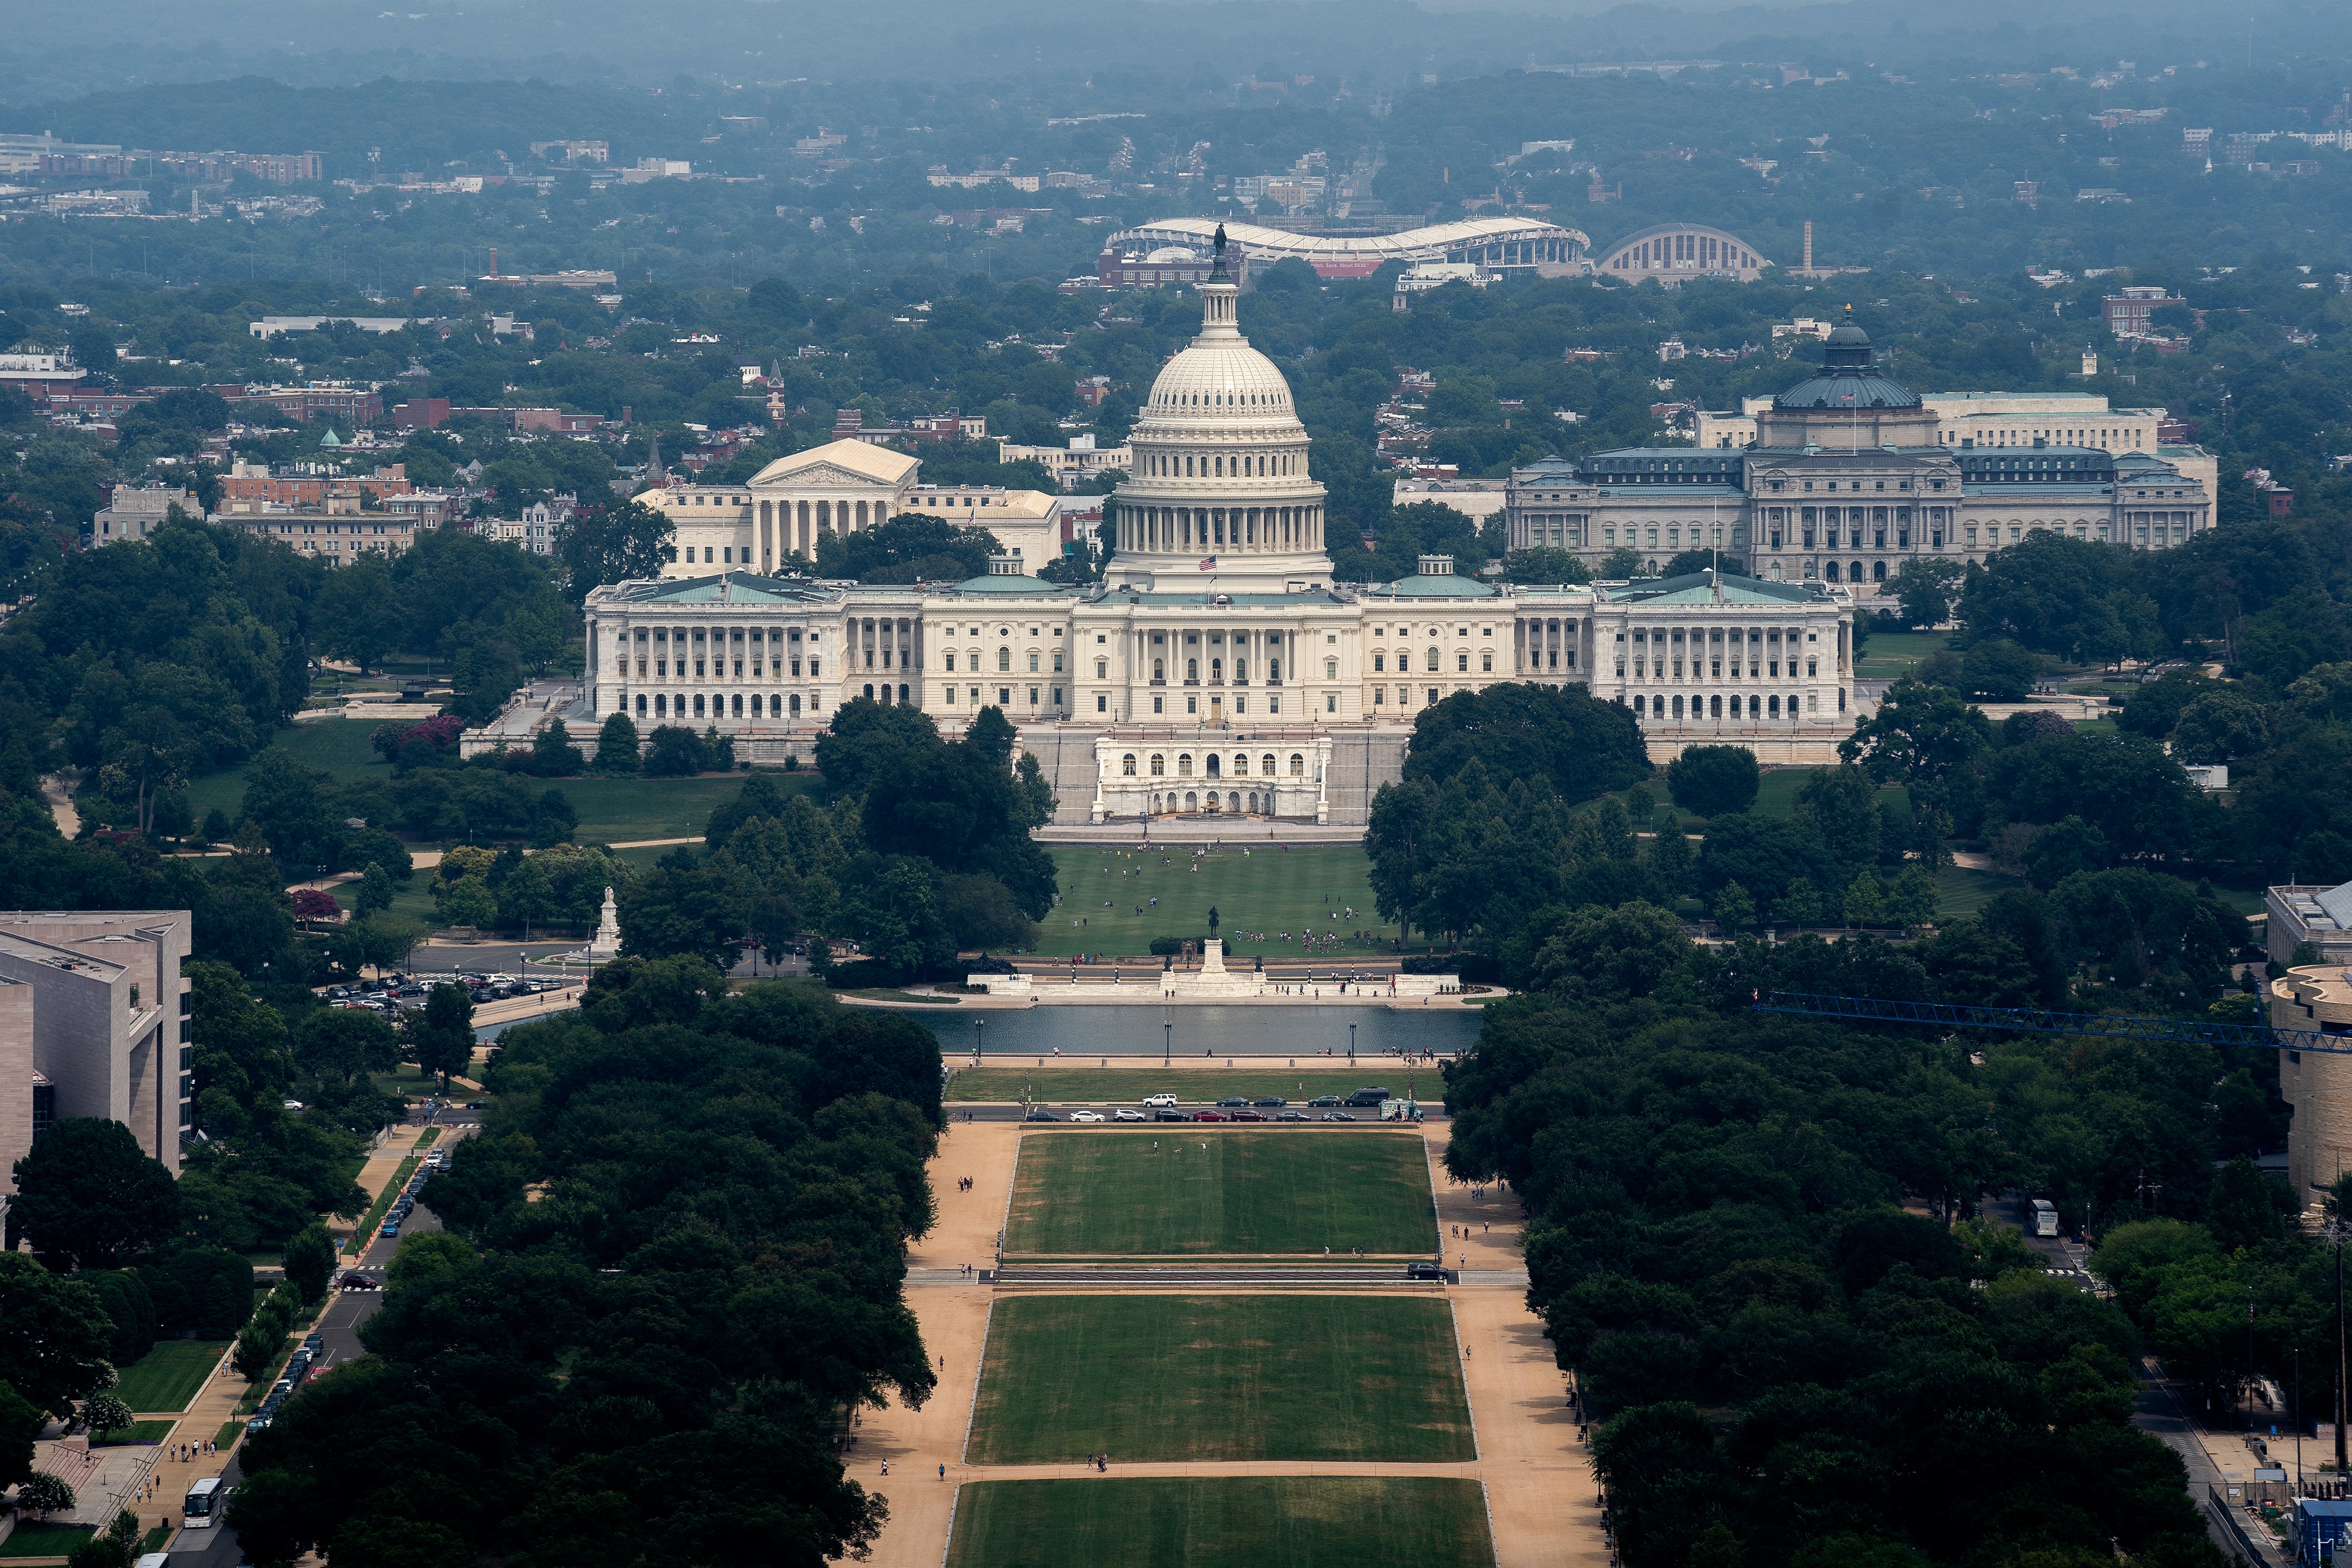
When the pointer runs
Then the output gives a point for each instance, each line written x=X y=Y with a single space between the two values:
x=1220 y=483
x=1849 y=402
x=1174 y=253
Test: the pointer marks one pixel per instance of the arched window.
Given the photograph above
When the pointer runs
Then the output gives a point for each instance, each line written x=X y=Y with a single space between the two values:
x=1191 y=669
x=1678 y=708
x=1297 y=765
x=1184 y=764
x=1192 y=801
x=1159 y=669
x=1774 y=707
x=1159 y=765
x=1005 y=659
x=698 y=705
x=1265 y=765
x=739 y=704
x=1878 y=571
x=1714 y=707
x=796 y=705
x=1127 y=765
x=1214 y=764
x=1831 y=571
x=641 y=704
x=1432 y=661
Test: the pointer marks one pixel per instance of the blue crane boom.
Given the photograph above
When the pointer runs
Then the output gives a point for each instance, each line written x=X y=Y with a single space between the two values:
x=2041 y=1020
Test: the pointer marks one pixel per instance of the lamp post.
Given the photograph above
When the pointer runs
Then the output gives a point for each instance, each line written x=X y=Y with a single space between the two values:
x=1167 y=1038
x=2336 y=1233
x=1352 y=1045
x=977 y=1025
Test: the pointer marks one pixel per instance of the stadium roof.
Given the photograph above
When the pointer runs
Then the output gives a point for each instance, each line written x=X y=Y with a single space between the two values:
x=1430 y=244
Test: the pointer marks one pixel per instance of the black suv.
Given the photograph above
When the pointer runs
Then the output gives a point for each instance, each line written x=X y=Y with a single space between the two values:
x=1369 y=1097
x=1425 y=1271
x=1271 y=1102
x=1166 y=1114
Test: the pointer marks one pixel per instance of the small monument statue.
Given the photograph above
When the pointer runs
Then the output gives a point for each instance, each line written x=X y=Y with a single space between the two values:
x=607 y=941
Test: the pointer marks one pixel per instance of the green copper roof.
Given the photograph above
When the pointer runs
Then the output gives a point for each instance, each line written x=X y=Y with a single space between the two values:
x=1699 y=588
x=1432 y=585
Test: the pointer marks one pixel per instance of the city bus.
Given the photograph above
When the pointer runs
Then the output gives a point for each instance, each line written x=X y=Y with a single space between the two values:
x=2045 y=1217
x=208 y=1500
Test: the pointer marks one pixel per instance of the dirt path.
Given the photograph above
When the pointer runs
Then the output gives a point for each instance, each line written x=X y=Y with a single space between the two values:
x=1538 y=1477
x=56 y=789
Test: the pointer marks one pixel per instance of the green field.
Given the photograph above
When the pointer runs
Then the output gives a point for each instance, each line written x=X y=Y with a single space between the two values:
x=138 y=1432
x=1249 y=1191
x=1888 y=654
x=168 y=1378
x=1257 y=1521
x=611 y=811
x=46 y=1540
x=1194 y=1086
x=1267 y=891
x=1174 y=1379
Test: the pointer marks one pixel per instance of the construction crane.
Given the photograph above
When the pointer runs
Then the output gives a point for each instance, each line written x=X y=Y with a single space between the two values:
x=2040 y=1021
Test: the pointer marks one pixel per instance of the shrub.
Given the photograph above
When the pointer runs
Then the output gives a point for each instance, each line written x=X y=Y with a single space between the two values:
x=1714 y=779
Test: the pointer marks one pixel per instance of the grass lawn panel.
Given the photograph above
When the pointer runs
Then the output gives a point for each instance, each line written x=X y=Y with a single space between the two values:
x=1192 y=1086
x=338 y=747
x=1964 y=890
x=1168 y=1379
x=46 y=1540
x=137 y=1432
x=622 y=810
x=1255 y=1190
x=169 y=1376
x=1268 y=890
x=1239 y=1521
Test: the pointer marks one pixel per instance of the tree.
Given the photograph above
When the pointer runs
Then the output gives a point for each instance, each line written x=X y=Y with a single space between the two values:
x=616 y=745
x=1920 y=734
x=2223 y=725
x=54 y=1335
x=20 y=1423
x=314 y=904
x=311 y=1261
x=1863 y=905
x=116 y=1546
x=1712 y=779
x=615 y=541
x=552 y=755
x=677 y=752
x=1924 y=590
x=257 y=1344
x=88 y=1197
x=2243 y=1212
x=443 y=1042
x=102 y=1413
x=45 y=1495
x=468 y=901
x=1732 y=909
x=374 y=894
x=1911 y=902
x=1799 y=903
x=344 y=1043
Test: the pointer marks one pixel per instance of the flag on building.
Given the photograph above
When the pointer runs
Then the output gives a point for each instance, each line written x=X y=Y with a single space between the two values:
x=1210 y=564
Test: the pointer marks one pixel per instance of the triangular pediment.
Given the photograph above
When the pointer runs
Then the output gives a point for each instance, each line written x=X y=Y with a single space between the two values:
x=821 y=474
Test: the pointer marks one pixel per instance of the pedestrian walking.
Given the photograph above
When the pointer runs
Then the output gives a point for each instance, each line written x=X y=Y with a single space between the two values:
x=943 y=1469
x=885 y=1466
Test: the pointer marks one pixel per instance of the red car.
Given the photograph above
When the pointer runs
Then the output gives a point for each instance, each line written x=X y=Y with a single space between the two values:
x=1210 y=1116
x=1249 y=1116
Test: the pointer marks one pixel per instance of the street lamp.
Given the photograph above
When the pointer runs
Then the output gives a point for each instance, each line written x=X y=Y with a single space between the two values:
x=1167 y=1039
x=2336 y=1233
x=1352 y=1045
x=977 y=1025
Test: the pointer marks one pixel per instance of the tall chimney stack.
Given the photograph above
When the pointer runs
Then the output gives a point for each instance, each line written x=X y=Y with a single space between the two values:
x=1809 y=251
x=1809 y=248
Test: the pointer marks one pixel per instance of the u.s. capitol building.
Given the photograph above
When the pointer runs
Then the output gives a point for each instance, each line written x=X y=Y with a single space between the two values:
x=1217 y=667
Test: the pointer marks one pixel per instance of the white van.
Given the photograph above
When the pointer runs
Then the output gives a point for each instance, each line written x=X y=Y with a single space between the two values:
x=1159 y=1102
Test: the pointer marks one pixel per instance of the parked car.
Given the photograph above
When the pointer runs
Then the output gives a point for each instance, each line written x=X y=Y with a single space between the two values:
x=314 y=1341
x=1167 y=1115
x=256 y=1425
x=1231 y=1101
x=1424 y=1272
x=1290 y=1115
x=1246 y=1116
x=1210 y=1116
x=1129 y=1113
x=1041 y=1115
x=1324 y=1102
x=1271 y=1102
x=1158 y=1102
x=1368 y=1098
x=391 y=1231
x=1337 y=1116
x=353 y=1279
x=1088 y=1117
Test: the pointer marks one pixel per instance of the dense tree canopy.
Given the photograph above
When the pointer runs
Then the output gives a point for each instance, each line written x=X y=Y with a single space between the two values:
x=651 y=1358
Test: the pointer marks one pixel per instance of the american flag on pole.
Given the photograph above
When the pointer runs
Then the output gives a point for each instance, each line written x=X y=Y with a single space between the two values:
x=1210 y=564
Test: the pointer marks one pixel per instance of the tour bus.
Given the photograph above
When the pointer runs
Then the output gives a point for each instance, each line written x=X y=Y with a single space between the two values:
x=207 y=1500
x=2045 y=1217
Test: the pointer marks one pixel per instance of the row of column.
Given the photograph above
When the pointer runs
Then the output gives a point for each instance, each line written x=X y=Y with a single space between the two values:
x=792 y=527
x=896 y=641
x=1545 y=645
x=1251 y=530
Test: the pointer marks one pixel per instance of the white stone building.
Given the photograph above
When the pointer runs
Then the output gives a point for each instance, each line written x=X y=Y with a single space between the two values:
x=1217 y=668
